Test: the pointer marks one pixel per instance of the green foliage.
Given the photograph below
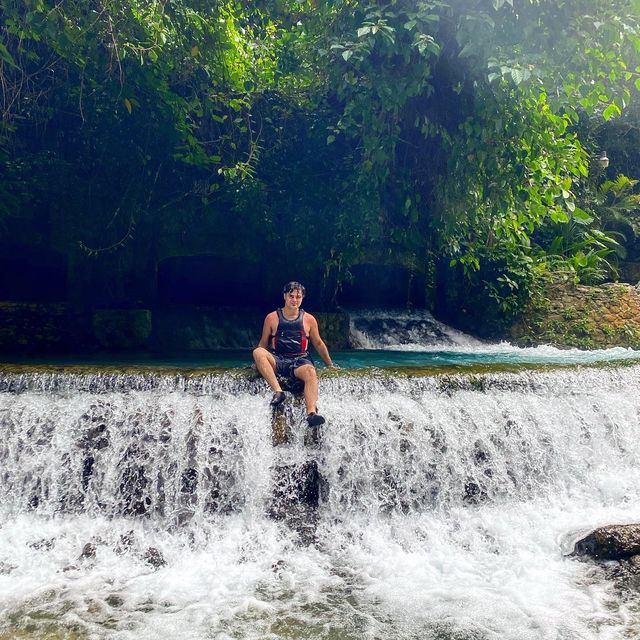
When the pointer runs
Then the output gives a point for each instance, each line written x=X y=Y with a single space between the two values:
x=588 y=247
x=616 y=207
x=365 y=130
x=493 y=103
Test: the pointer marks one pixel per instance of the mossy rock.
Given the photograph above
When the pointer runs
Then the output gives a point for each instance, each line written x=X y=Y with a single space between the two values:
x=569 y=315
x=16 y=633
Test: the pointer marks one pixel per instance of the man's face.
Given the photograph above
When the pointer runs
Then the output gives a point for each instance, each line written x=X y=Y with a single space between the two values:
x=293 y=298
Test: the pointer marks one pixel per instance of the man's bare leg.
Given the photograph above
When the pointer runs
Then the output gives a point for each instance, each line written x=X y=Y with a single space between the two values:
x=266 y=365
x=307 y=373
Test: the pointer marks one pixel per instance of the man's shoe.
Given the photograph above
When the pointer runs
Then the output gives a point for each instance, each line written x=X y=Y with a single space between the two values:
x=278 y=399
x=315 y=419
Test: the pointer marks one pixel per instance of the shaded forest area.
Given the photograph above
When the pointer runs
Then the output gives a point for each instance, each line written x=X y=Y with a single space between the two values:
x=450 y=155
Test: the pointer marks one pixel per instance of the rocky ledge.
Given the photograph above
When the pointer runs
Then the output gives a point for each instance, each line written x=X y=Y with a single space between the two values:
x=613 y=542
x=587 y=317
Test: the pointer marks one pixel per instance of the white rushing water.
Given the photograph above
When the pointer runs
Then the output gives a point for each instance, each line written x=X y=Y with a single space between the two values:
x=405 y=330
x=425 y=340
x=450 y=508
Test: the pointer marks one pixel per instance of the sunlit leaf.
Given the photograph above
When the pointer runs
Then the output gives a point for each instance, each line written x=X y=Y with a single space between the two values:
x=581 y=215
x=517 y=75
x=613 y=110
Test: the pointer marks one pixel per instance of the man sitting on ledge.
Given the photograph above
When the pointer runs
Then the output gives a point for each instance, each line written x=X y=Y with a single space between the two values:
x=283 y=350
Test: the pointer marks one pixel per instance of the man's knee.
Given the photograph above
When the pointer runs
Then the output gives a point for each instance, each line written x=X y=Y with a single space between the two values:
x=306 y=372
x=263 y=358
x=259 y=353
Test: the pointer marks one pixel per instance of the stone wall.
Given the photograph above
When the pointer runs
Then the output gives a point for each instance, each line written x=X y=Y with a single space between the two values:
x=568 y=315
x=27 y=328
x=58 y=328
x=203 y=329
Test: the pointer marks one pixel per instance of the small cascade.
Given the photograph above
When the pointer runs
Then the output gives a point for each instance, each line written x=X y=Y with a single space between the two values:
x=404 y=330
x=183 y=446
x=138 y=452
x=157 y=505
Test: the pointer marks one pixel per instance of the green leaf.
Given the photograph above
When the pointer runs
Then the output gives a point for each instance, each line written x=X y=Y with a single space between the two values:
x=612 y=111
x=128 y=105
x=559 y=215
x=517 y=75
x=581 y=215
x=6 y=56
x=347 y=54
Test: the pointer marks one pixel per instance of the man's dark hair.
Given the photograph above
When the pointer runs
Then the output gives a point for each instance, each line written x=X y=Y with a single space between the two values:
x=293 y=286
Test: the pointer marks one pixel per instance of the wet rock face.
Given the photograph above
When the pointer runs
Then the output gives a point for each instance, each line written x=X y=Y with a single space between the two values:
x=122 y=328
x=613 y=542
x=88 y=551
x=587 y=317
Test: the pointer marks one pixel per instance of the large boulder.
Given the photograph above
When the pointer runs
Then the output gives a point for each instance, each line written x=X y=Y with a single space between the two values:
x=613 y=542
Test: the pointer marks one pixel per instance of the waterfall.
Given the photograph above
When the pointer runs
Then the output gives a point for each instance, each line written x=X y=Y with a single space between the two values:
x=445 y=509
x=404 y=330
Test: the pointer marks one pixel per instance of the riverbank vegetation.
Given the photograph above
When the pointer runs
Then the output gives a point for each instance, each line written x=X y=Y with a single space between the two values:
x=462 y=140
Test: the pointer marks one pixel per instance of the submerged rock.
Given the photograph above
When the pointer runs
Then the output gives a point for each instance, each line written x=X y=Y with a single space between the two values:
x=6 y=568
x=114 y=601
x=126 y=542
x=295 y=484
x=154 y=557
x=44 y=544
x=473 y=493
x=88 y=552
x=613 y=542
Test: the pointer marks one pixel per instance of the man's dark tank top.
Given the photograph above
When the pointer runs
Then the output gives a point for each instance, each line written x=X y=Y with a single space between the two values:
x=290 y=338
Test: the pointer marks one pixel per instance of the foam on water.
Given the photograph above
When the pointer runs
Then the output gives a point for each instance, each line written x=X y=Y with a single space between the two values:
x=391 y=329
x=451 y=508
x=418 y=332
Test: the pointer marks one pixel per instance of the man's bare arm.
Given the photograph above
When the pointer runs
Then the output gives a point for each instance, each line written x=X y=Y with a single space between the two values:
x=266 y=331
x=318 y=343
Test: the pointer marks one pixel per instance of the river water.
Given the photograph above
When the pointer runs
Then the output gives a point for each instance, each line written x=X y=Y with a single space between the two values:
x=379 y=338
x=447 y=509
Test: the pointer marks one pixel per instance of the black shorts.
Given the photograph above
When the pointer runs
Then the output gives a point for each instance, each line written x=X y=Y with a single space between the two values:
x=285 y=366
